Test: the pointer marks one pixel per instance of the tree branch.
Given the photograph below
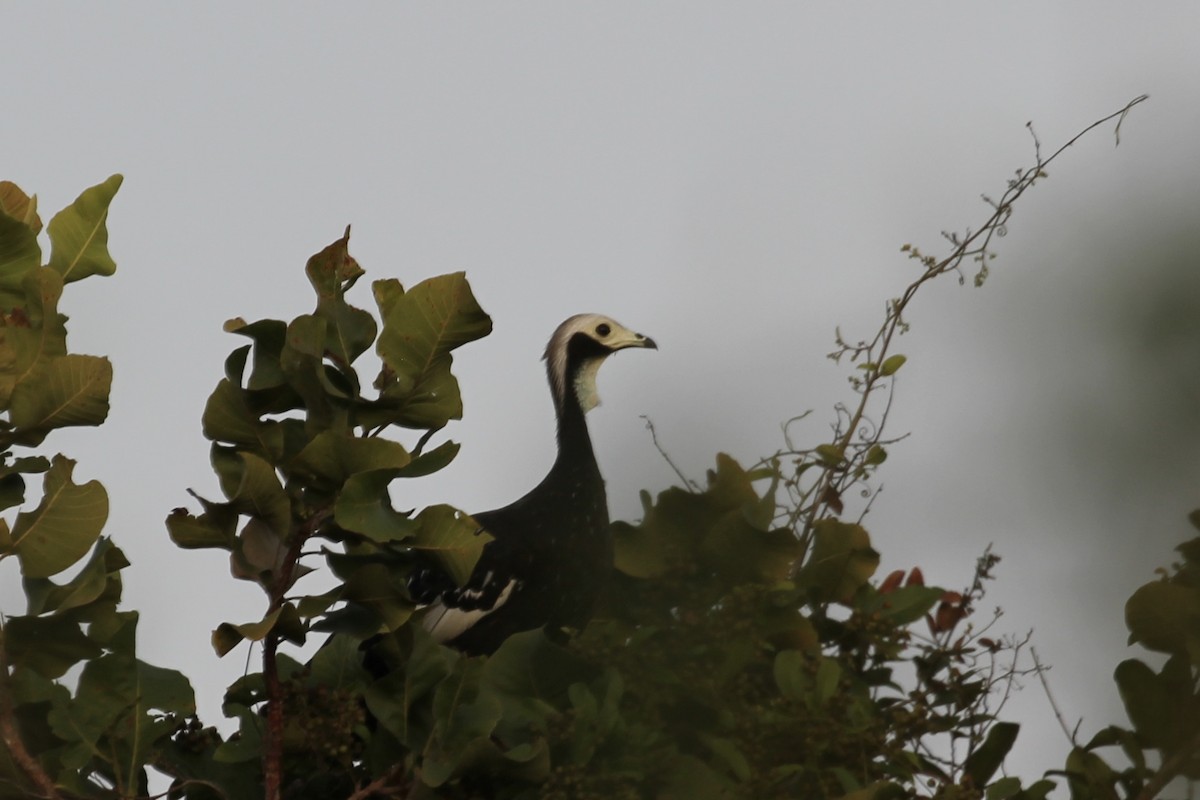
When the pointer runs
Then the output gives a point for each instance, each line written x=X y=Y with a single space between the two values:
x=12 y=737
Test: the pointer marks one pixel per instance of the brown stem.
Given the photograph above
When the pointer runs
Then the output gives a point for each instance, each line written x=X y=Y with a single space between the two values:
x=1171 y=768
x=273 y=753
x=12 y=737
x=281 y=582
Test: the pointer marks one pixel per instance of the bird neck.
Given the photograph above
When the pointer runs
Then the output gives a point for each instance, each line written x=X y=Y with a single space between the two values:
x=574 y=443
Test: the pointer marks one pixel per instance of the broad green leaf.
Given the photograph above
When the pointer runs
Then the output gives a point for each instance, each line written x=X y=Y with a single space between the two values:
x=792 y=675
x=841 y=561
x=466 y=713
x=118 y=712
x=338 y=664
x=269 y=336
x=879 y=790
x=1156 y=707
x=48 y=645
x=675 y=527
x=19 y=253
x=743 y=552
x=387 y=292
x=431 y=461
x=228 y=419
x=828 y=675
x=247 y=744
x=332 y=457
x=909 y=603
x=1163 y=615
x=391 y=698
x=364 y=506
x=420 y=330
x=33 y=333
x=1098 y=779
x=689 y=777
x=987 y=758
x=70 y=390
x=92 y=582
x=333 y=270
x=65 y=524
x=20 y=206
x=284 y=621
x=454 y=540
x=208 y=530
x=79 y=234
x=729 y=755
x=350 y=330
x=261 y=551
x=891 y=364
x=381 y=591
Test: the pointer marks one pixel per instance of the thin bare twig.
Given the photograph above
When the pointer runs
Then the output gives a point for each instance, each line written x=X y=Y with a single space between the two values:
x=688 y=483
x=976 y=245
x=1062 y=721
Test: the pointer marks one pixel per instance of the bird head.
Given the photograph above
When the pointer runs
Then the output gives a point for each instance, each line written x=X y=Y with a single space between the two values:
x=578 y=348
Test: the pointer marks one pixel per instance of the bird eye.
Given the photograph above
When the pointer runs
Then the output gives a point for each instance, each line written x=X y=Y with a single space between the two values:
x=603 y=330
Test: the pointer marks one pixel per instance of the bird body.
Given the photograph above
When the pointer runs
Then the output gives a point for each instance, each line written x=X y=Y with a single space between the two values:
x=551 y=550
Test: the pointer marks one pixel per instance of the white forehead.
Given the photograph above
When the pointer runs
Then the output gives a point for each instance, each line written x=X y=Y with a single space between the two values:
x=580 y=323
x=556 y=350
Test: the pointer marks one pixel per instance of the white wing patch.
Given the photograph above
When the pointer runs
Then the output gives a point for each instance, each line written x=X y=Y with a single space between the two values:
x=445 y=623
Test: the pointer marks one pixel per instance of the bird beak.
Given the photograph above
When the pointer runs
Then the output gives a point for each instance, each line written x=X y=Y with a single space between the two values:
x=631 y=339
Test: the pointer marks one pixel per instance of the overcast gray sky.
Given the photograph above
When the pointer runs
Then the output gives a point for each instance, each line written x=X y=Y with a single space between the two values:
x=732 y=179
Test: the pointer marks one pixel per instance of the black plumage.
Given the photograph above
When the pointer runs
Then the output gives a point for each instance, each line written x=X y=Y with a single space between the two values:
x=551 y=550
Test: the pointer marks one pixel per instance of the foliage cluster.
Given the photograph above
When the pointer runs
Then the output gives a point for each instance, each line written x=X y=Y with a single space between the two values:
x=745 y=648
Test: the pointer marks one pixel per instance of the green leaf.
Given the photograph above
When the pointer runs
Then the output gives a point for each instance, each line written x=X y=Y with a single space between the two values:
x=350 y=331
x=34 y=332
x=20 y=206
x=339 y=664
x=727 y=520
x=454 y=539
x=284 y=621
x=729 y=755
x=842 y=560
x=65 y=524
x=333 y=270
x=791 y=675
x=430 y=462
x=19 y=252
x=269 y=337
x=987 y=758
x=910 y=603
x=387 y=292
x=332 y=457
x=118 y=710
x=420 y=330
x=891 y=364
x=247 y=744
x=828 y=675
x=1162 y=615
x=1003 y=789
x=227 y=418
x=876 y=455
x=364 y=506
x=47 y=645
x=215 y=528
x=94 y=581
x=79 y=235
x=375 y=601
x=1157 y=704
x=253 y=487
x=70 y=390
